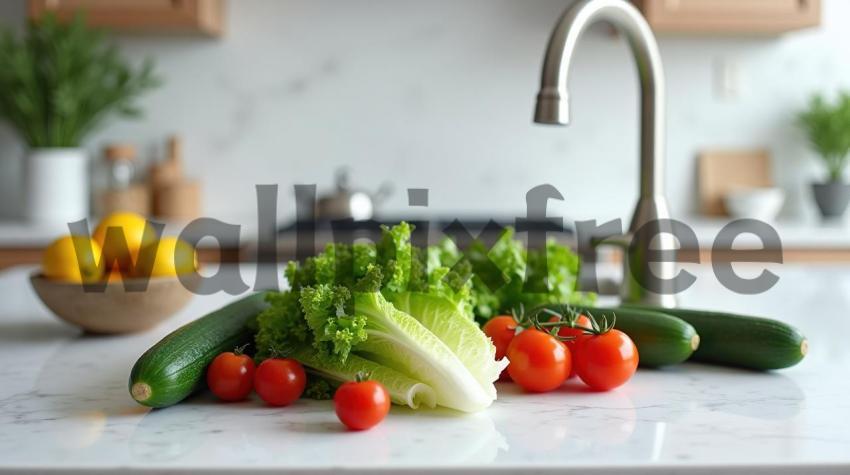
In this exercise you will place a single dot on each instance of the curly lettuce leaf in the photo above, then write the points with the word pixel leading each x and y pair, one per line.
pixel 395 256
pixel 508 277
pixel 281 327
pixel 435 271
pixel 318 388
pixel 335 332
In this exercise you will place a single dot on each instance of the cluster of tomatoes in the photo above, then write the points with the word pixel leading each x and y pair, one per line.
pixel 540 361
pixel 232 376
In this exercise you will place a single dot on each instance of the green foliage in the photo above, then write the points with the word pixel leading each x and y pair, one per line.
pixel 60 81
pixel 318 388
pixel 508 277
pixel 342 316
pixel 335 331
pixel 405 313
pixel 827 125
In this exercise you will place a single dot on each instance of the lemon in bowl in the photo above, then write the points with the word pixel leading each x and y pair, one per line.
pixel 173 257
pixel 123 226
pixel 73 259
pixel 76 286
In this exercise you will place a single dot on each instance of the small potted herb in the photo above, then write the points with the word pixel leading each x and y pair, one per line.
pixel 827 125
pixel 58 83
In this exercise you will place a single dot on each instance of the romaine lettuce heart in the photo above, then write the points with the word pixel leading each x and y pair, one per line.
pixel 399 341
pixel 462 335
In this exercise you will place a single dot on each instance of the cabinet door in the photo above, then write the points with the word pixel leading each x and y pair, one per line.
pixel 730 16
pixel 192 16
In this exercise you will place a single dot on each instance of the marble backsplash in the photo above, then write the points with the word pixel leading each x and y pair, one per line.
pixel 440 95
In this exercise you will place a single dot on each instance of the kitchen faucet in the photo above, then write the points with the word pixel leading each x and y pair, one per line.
pixel 651 215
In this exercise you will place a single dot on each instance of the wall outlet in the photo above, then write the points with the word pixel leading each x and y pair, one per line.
pixel 727 79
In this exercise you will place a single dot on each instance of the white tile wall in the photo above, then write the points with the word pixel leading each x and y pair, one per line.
pixel 439 94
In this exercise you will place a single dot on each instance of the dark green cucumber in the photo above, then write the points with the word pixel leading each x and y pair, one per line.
pixel 661 339
pixel 743 341
pixel 175 367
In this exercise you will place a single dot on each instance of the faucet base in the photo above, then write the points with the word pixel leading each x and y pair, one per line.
pixel 646 280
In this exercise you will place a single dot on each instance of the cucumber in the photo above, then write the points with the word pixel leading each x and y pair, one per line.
pixel 743 341
pixel 175 367
pixel 661 339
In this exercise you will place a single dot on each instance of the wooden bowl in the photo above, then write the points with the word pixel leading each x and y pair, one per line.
pixel 115 310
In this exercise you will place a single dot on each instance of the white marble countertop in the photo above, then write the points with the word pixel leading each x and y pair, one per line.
pixel 64 407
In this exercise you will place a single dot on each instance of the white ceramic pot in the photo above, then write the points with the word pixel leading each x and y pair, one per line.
pixel 57 185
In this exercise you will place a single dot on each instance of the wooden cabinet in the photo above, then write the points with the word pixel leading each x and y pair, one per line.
pixel 185 16
pixel 730 16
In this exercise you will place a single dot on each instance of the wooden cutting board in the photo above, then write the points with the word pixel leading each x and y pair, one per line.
pixel 721 171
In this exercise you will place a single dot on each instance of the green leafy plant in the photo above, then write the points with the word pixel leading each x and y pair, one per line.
pixel 827 125
pixel 59 81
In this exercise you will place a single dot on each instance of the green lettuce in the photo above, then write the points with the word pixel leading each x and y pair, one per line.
pixel 340 318
pixel 458 332
pixel 407 315
pixel 507 277
pixel 284 331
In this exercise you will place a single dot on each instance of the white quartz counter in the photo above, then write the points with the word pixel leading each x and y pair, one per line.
pixel 64 407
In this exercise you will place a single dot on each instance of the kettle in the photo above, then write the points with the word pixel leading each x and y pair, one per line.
pixel 346 202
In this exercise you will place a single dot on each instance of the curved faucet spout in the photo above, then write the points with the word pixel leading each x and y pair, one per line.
pixel 553 99
pixel 650 227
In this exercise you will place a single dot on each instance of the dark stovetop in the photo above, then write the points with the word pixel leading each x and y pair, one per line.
pixel 462 227
pixel 302 238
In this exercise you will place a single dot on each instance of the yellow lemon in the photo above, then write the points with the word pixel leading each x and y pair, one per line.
pixel 68 258
pixel 132 226
pixel 173 257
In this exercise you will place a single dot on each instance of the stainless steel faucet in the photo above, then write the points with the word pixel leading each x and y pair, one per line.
pixel 651 214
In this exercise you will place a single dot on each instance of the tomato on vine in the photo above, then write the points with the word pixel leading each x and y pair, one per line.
pixel 603 357
pixel 570 332
pixel 539 362
pixel 607 360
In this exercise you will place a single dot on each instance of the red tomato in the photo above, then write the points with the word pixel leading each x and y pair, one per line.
pixel 606 361
pixel 576 333
pixel 501 330
pixel 231 376
pixel 280 381
pixel 362 404
pixel 539 362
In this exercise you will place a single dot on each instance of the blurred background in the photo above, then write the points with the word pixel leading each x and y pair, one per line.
pixel 440 95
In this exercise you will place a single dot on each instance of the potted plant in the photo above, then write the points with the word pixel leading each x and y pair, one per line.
pixel 58 83
pixel 827 125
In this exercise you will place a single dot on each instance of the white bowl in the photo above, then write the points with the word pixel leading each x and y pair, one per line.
pixel 762 204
